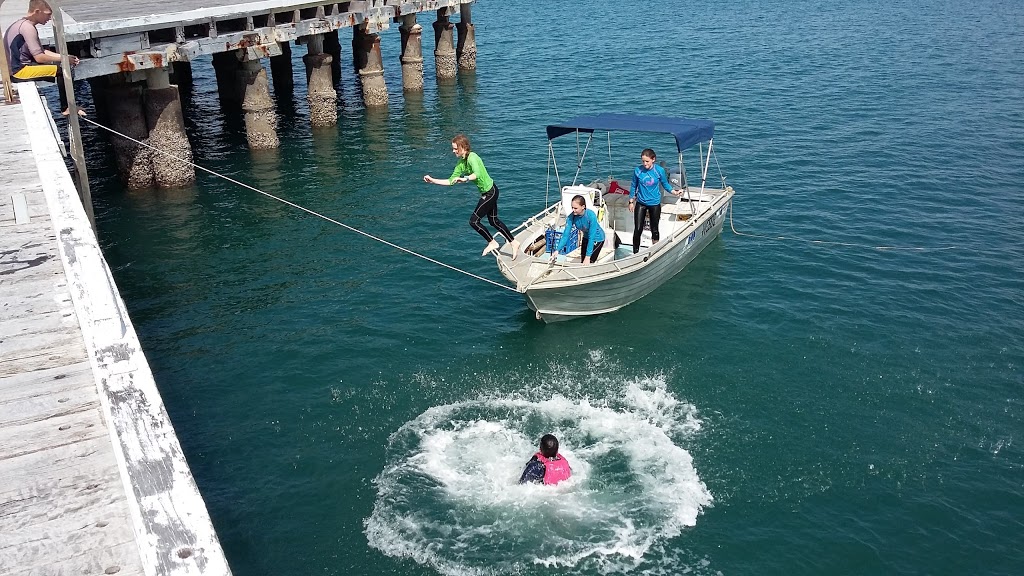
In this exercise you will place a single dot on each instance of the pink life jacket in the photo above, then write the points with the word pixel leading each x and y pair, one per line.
pixel 555 470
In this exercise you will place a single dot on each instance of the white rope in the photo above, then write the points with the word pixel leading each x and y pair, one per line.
pixel 830 243
pixel 304 209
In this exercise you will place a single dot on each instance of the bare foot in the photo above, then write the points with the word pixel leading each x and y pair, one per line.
pixel 491 247
pixel 515 249
pixel 81 113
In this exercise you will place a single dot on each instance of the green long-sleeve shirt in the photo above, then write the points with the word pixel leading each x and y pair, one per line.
pixel 473 165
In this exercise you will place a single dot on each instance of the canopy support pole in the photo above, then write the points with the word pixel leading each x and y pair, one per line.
pixel 580 158
pixel 707 163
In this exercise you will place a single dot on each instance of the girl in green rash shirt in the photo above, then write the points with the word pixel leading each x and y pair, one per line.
pixel 470 168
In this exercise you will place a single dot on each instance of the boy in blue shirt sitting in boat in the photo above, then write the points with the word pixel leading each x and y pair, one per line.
pixel 586 222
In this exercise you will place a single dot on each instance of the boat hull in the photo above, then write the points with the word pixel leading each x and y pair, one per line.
pixel 560 301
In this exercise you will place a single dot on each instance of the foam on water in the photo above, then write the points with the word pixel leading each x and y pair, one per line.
pixel 448 496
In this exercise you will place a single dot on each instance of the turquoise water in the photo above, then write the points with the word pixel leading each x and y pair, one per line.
pixel 779 408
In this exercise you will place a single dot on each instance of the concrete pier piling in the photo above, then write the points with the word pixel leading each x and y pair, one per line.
pixel 260 116
pixel 370 64
pixel 412 54
pixel 149 112
pixel 445 61
pixel 127 116
pixel 322 97
pixel 466 49
pixel 181 75
pixel 167 132
pixel 332 46
pixel 281 70
pixel 225 67
pixel 98 88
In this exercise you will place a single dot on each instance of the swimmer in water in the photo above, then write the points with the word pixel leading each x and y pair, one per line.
pixel 547 466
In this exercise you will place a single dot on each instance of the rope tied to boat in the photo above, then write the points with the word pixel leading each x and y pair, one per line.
pixel 298 207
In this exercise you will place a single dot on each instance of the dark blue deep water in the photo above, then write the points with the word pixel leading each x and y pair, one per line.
pixel 781 407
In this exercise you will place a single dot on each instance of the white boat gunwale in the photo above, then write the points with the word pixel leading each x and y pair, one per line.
pixel 621 265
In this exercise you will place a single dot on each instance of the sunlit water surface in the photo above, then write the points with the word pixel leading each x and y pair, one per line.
pixel 779 408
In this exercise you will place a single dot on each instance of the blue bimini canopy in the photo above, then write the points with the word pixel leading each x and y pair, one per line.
pixel 687 132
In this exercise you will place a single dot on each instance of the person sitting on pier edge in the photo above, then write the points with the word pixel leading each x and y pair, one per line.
pixel 585 221
pixel 547 466
pixel 470 168
pixel 645 196
pixel 28 60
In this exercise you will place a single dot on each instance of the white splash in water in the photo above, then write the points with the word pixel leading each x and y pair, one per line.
pixel 449 496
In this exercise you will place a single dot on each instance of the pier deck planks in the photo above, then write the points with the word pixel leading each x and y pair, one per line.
pixel 63 508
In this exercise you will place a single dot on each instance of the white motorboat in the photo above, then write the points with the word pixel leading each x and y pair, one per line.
pixel 564 289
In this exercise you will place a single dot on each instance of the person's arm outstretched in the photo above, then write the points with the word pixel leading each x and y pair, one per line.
pixel 443 181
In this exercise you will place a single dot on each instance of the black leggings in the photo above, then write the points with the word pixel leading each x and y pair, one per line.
pixel 488 206
pixel 639 211
pixel 593 253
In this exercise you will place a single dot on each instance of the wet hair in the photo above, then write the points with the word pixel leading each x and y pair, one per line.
pixel 40 5
pixel 649 153
pixel 549 446
pixel 582 202
pixel 462 142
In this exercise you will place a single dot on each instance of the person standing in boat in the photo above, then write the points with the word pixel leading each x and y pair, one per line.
pixel 645 196
pixel 585 221
pixel 547 466
pixel 470 168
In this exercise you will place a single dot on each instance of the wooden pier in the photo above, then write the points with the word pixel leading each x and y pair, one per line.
pixel 113 37
pixel 137 54
pixel 92 478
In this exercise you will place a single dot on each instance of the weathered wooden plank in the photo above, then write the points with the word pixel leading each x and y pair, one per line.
pixel 44 319
pixel 40 501
pixel 54 381
pixel 101 559
pixel 47 283
pixel 71 524
pixel 39 323
pixel 39 301
pixel 16 172
pixel 33 351
pixel 57 354
pixel 28 409
pixel 19 163
pixel 63 320
pixel 47 433
pixel 29 235
pixel 26 274
pixel 23 307
pixel 90 457
pixel 28 246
